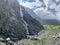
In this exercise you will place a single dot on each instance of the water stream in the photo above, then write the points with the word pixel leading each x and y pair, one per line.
pixel 25 23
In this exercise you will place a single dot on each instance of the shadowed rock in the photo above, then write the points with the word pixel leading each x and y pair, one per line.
pixel 11 24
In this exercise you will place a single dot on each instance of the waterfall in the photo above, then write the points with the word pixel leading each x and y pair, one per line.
pixel 26 26
pixel 21 12
pixel 25 23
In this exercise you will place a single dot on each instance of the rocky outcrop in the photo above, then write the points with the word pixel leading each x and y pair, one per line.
pixel 2 43
pixel 11 24
pixel 34 26
pixel 10 21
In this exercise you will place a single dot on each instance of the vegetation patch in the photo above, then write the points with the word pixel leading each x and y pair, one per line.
pixel 30 42
pixel 2 37
pixel 52 27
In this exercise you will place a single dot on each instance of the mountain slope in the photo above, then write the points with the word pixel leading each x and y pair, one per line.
pixel 31 12
pixel 46 18
pixel 51 22
pixel 12 24
pixel 34 26
pixel 10 21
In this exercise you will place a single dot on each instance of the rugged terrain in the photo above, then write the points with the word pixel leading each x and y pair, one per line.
pixel 16 23
pixel 14 26
pixel 46 37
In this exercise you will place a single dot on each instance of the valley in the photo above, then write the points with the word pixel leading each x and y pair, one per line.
pixel 46 37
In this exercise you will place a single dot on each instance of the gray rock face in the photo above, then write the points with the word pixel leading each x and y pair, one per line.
pixel 34 26
pixel 2 43
pixel 11 24
pixel 10 21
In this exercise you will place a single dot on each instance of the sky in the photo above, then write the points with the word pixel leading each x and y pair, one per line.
pixel 42 6
pixel 33 3
pixel 30 3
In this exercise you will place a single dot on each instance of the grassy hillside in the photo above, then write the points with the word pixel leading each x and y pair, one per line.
pixel 47 37
pixel 52 27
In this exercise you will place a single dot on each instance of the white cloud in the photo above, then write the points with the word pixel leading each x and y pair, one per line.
pixel 52 5
pixel 46 2
pixel 58 8
pixel 58 16
pixel 27 4
pixel 31 5
pixel 57 0
pixel 37 0
pixel 44 14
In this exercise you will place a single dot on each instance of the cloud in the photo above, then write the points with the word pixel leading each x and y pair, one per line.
pixel 46 2
pixel 57 0
pixel 31 5
pixel 58 8
pixel 52 5
pixel 37 0
pixel 44 14
pixel 58 16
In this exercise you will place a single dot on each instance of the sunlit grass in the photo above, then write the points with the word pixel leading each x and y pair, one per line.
pixel 52 27
pixel 31 42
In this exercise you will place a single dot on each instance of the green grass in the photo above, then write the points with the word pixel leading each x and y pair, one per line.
pixel 31 42
pixel 52 27
pixel 46 37
pixel 2 37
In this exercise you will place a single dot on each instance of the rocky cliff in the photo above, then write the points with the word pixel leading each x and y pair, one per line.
pixel 34 26
pixel 10 21
pixel 12 24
